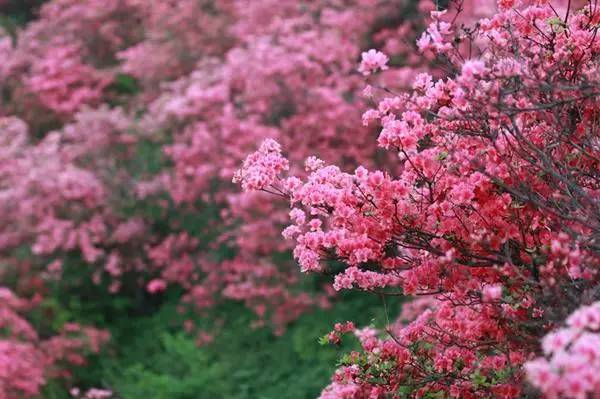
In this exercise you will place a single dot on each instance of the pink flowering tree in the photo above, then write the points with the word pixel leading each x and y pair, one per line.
pixel 490 209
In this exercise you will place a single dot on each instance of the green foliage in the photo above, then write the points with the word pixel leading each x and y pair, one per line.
pixel 125 84
pixel 151 357
pixel 122 88
pixel 15 13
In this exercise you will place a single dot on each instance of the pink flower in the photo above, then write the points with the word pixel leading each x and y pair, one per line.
pixel 507 4
pixel 572 362
pixel 472 69
pixel 434 37
pixel 492 293
pixel 262 168
pixel 156 285
pixel 373 60
pixel 370 115
pixel 313 163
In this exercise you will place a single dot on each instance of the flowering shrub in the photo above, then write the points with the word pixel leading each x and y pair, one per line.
pixel 490 210
pixel 123 123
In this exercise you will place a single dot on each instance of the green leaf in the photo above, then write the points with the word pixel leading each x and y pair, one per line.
pixel 324 340
pixel 125 84
pixel 442 155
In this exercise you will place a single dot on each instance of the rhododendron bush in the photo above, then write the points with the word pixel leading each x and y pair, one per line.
pixel 491 210
pixel 445 152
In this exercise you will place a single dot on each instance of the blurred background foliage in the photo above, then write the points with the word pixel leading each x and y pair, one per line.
pixel 14 13
pixel 149 355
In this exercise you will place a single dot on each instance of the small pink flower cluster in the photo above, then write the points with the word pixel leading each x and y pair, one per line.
pixel 436 35
pixel 570 367
pixel 261 169
pixel 372 61
pixel 339 329
pixel 63 83
pixel 92 393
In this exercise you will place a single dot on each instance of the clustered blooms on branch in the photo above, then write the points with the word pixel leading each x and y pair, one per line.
pixel 492 209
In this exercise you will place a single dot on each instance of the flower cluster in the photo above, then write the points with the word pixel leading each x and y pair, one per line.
pixel 572 357
pixel 261 169
pixel 372 61
pixel 90 85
